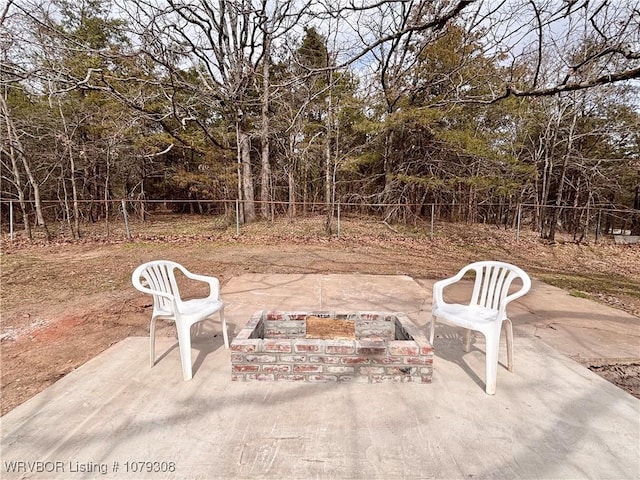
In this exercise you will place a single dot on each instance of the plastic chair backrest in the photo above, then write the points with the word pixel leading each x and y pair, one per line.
pixel 160 278
pixel 492 283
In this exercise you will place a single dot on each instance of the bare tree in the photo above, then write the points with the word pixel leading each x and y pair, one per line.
pixel 513 31
pixel 266 194
pixel 225 44
pixel 572 45
pixel 12 146
pixel 12 149
pixel 207 67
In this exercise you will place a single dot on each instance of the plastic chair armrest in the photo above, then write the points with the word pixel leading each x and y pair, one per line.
pixel 439 286
pixel 514 296
pixel 526 286
pixel 150 291
pixel 214 283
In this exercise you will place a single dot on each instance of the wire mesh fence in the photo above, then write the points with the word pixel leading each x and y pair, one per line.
pixel 115 219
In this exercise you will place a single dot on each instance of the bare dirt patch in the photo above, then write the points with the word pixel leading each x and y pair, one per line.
pixel 625 375
pixel 65 302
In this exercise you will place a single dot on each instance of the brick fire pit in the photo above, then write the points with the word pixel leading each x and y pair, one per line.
pixel 365 347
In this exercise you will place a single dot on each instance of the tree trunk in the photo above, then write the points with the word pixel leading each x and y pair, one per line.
pixel 388 171
pixel 65 203
pixel 328 204
pixel 36 190
pixel 248 205
pixel 72 174
pixel 563 177
pixel 14 149
pixel 291 179
pixel 265 175
pixel 106 190
pixel 18 152
pixel 36 197
pixel 635 219
pixel 550 139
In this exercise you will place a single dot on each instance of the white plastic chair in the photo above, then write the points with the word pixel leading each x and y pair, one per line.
pixel 160 281
pixel 486 311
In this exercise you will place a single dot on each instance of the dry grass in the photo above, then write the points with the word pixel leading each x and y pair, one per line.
pixel 63 302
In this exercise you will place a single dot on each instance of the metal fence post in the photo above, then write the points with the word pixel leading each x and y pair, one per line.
pixel 11 219
pixel 433 212
pixel 237 217
pixel 126 219
pixel 518 222
pixel 338 219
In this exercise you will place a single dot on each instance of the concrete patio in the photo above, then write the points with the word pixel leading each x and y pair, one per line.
pixel 552 418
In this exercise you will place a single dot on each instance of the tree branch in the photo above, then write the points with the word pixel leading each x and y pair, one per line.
pixel 571 87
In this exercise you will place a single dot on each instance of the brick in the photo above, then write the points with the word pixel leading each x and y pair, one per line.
pixel 291 378
pixel 276 368
pixel 378 327
pixel 385 378
pixel 293 358
pixel 237 378
pixel 277 346
pixel 307 369
pixel 322 314
pixel 261 376
pixel 403 348
pixel 418 360
pixel 333 369
pixel 256 317
pixel 327 359
pixel 426 379
pixel 286 324
pixel 244 334
pixel 251 358
pixel 322 378
pixel 365 347
pixel 361 379
pixel 411 331
pixel 371 337
pixel 245 368
pixel 274 333
pixel 371 370
pixel 245 346
pixel 238 358
pixel 426 349
pixel 303 346
pixel 255 324
pixel 386 360
pixel 340 347
pixel 400 370
pixel 355 360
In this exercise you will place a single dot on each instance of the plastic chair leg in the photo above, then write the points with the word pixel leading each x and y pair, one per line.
pixel 468 336
pixel 508 332
pixel 184 343
pixel 433 329
pixel 152 342
pixel 225 334
pixel 492 341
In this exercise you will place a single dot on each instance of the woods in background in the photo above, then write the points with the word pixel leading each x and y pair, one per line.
pixel 401 103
